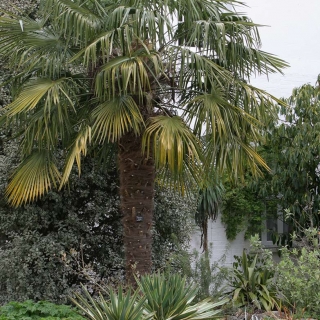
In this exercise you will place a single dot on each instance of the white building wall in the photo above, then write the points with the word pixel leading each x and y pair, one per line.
pixel 222 249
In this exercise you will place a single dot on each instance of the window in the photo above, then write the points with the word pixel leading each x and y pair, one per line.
pixel 273 224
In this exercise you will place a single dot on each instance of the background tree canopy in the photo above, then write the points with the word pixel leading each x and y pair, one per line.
pixel 292 150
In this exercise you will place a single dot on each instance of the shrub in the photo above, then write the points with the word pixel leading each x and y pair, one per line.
pixel 119 306
pixel 158 296
pixel 252 285
pixel 42 310
pixel 75 236
pixel 170 297
pixel 298 276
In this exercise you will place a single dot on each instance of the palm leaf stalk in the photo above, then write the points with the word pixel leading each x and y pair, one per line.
pixel 152 77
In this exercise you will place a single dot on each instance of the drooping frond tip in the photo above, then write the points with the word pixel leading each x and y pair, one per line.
pixel 33 178
pixel 172 142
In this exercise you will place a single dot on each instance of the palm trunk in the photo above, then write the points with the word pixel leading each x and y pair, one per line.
pixel 204 236
pixel 137 175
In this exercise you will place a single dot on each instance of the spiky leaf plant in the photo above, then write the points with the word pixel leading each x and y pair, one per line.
pixel 252 285
pixel 119 306
pixel 170 298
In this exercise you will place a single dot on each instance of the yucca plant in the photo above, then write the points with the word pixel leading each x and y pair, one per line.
pixel 119 306
pixel 169 297
pixel 252 285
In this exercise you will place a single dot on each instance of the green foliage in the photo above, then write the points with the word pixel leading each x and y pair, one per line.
pixel 75 236
pixel 298 274
pixel 173 217
pixel 42 310
pixel 158 296
pixel 242 209
pixel 169 297
pixel 119 306
pixel 292 150
pixel 46 245
pixel 209 277
pixel 252 285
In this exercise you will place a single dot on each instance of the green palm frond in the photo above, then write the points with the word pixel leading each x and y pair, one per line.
pixel 44 90
pixel 101 47
pixel 34 177
pixel 225 36
pixel 18 31
pixel 197 71
pixel 255 61
pixel 114 118
pixel 128 74
pixel 79 147
pixel 172 142
pixel 78 22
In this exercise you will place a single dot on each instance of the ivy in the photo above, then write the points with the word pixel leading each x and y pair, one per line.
pixel 242 210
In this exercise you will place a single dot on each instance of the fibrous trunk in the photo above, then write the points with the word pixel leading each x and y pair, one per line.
pixel 137 175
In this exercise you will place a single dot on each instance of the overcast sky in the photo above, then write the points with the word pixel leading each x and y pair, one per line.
pixel 293 35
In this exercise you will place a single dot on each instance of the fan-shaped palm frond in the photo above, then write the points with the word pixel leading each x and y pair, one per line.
pixel 172 142
pixel 42 90
pixel 128 74
pixel 37 47
pixel 75 20
pixel 114 118
pixel 33 178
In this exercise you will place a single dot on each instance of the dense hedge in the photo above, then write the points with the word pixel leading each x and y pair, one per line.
pixel 50 247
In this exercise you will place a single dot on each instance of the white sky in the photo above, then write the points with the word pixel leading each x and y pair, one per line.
pixel 293 35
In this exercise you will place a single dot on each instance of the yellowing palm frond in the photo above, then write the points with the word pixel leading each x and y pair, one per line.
pixel 79 147
pixel 172 142
pixel 33 178
pixel 49 91
pixel 114 118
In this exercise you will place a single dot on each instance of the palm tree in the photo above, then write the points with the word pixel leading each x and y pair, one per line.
pixel 164 81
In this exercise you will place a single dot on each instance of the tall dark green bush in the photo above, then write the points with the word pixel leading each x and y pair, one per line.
pixel 74 236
